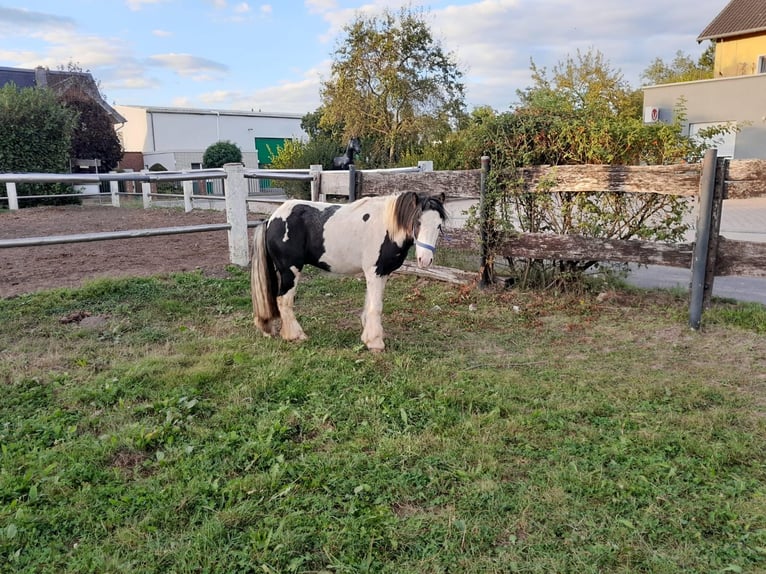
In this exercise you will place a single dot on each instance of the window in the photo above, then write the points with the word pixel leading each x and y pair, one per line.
pixel 762 64
pixel 724 142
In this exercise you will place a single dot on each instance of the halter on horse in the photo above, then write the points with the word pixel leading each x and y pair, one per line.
pixel 343 161
pixel 371 236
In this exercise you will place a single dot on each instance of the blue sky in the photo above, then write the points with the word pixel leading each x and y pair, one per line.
pixel 272 56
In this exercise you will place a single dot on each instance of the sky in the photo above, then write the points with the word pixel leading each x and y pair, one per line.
pixel 273 56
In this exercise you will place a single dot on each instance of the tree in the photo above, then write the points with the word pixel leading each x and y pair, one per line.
pixel 220 153
pixel 583 113
pixel 682 69
pixel 35 136
pixel 392 84
pixel 94 137
pixel 586 83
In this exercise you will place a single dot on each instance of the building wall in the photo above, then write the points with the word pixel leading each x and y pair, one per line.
pixel 133 160
pixel 187 131
pixel 721 100
pixel 738 57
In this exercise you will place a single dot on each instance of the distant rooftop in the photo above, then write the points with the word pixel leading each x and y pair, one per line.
pixel 738 18
pixel 58 81
pixel 179 110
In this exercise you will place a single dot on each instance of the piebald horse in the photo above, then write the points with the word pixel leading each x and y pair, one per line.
pixel 370 236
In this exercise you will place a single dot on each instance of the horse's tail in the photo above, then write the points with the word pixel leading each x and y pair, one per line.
pixel 263 284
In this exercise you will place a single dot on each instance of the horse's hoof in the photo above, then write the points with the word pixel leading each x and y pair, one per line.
pixel 376 347
pixel 296 338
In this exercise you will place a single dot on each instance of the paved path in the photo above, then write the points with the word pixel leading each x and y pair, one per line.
pixel 741 220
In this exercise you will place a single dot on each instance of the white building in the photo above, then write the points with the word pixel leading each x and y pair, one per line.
pixel 735 94
pixel 177 138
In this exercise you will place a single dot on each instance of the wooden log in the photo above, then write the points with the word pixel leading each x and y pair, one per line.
pixel 744 258
pixel 462 184
pixel 579 248
pixel 746 178
pixel 680 179
pixel 438 272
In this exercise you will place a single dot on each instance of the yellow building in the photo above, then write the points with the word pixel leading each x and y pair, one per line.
pixel 739 33
pixel 736 96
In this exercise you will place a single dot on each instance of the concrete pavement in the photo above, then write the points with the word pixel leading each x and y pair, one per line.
pixel 741 220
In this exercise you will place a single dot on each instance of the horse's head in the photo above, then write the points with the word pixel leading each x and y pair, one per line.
pixel 421 216
pixel 355 145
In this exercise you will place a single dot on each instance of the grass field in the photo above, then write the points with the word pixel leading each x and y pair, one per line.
pixel 145 427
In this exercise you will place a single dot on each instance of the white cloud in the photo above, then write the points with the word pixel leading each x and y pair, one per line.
pixel 136 5
pixel 18 21
pixel 182 102
pixel 201 69
pixel 242 8
pixel 162 33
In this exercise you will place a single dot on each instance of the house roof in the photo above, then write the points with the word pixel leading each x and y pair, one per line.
pixel 207 111
pixel 59 82
pixel 739 17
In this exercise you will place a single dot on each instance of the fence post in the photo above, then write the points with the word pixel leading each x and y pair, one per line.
pixel 702 239
pixel 351 182
pixel 236 213
pixel 188 186
pixel 487 270
pixel 114 190
pixel 13 198
pixel 316 172
pixel 719 191
pixel 146 191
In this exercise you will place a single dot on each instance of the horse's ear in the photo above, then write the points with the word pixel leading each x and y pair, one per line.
pixel 411 199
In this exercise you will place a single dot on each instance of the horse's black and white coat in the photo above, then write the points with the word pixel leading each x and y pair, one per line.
pixel 370 236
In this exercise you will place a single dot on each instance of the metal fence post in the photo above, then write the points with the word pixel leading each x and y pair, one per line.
pixel 236 213
pixel 702 239
pixel 13 198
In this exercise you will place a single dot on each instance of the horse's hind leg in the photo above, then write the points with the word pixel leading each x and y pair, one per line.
pixel 372 335
pixel 291 329
pixel 269 327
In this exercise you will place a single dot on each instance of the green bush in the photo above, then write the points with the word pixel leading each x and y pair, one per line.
pixel 296 154
pixel 35 136
pixel 221 153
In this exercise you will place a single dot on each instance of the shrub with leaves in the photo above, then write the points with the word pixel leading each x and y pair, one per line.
pixel 584 114
pixel 221 153
pixel 35 136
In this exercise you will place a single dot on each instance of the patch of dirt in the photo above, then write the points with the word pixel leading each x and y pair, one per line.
pixel 30 269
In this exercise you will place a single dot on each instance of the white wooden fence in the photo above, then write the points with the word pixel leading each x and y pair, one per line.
pixel 236 196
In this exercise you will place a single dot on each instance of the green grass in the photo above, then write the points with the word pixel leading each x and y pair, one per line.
pixel 531 433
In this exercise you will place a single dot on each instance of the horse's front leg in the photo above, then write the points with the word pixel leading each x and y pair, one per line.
pixel 291 329
pixel 372 335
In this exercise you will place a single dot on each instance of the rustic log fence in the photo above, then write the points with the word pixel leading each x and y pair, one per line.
pixel 717 256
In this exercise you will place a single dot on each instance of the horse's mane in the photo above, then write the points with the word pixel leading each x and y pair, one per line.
pixel 404 210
